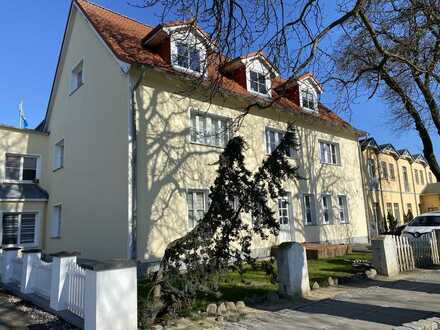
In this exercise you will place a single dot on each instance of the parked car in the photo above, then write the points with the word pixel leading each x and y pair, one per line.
pixel 423 224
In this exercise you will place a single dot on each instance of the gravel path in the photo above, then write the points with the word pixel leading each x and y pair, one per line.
pixel 18 314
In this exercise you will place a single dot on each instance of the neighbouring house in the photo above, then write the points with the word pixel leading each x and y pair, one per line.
pixel 90 179
pixel 393 180
pixel 430 198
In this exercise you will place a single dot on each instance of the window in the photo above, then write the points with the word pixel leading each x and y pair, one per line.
pixel 422 178
pixel 309 209
pixel 209 130
pixel 21 168
pixel 188 57
pixel 389 209
pixel 58 160
pixel 371 168
pixel 55 226
pixel 430 177
pixel 329 153
pixel 273 139
pixel 396 212
pixel 197 206
pixel 376 214
pixel 77 77
pixel 384 170
pixel 416 176
pixel 426 221
pixel 18 228
pixel 409 207
pixel 283 210
pixel 405 179
pixel 343 209
pixel 391 171
pixel 326 201
pixel 308 99
pixel 258 82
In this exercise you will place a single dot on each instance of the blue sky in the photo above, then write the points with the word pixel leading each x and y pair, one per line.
pixel 31 34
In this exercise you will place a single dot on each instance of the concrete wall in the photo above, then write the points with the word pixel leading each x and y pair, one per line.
pixel 169 165
pixel 93 121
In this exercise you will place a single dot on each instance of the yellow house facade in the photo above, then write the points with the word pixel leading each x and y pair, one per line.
pixel 394 181
pixel 123 161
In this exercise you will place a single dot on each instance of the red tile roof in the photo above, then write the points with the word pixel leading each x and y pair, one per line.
pixel 124 36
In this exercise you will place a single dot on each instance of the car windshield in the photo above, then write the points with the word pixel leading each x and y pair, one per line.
pixel 426 221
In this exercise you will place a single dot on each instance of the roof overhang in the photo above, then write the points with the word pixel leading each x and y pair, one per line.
pixel 244 60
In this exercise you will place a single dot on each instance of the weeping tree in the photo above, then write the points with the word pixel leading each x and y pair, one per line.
pixel 223 237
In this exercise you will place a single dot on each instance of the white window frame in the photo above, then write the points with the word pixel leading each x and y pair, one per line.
pixel 384 170
pixel 337 154
pixel 209 128
pixel 58 162
pixel 263 70
pixel 266 84
pixel 326 209
pixel 205 201
pixel 186 36
pixel 391 171
pixel 312 202
pixel 288 198
pixel 343 209
pixel 74 84
pixel 279 134
pixel 36 242
pixel 306 88
pixel 22 156
pixel 57 234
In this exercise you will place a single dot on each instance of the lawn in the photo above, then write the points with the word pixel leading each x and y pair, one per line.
pixel 255 282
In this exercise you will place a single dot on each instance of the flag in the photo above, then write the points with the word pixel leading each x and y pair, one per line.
pixel 23 121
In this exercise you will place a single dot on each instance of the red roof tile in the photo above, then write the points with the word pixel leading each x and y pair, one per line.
pixel 124 36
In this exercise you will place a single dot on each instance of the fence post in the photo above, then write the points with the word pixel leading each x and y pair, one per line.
pixel 9 254
pixel 28 273
pixel 111 296
pixel 293 274
pixel 58 287
pixel 385 259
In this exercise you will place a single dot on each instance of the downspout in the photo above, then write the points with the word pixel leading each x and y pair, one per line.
pixel 133 142
pixel 414 186
pixel 364 187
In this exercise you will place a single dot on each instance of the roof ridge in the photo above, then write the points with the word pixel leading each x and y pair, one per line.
pixel 114 12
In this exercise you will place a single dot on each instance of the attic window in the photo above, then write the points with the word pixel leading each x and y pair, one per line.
pixel 187 57
pixel 258 82
pixel 308 99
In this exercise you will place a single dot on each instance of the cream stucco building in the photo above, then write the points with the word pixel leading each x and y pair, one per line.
pixel 123 160
pixel 394 180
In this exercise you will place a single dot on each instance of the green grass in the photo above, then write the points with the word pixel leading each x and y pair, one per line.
pixel 321 269
pixel 255 282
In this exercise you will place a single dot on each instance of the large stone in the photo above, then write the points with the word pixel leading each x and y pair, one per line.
pixel 211 309
pixel 293 274
pixel 371 273
pixel 330 281
pixel 230 306
pixel 315 286
pixel 240 305
pixel 221 309
pixel 385 259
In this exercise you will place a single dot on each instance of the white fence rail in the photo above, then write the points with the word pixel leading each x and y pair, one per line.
pixel 416 252
pixel 62 283
pixel 76 282
pixel 43 276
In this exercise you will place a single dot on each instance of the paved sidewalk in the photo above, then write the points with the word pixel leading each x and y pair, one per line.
pixel 383 304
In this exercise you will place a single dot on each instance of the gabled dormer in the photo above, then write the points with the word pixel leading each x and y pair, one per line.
pixel 254 72
pixel 404 153
pixel 420 159
pixel 183 45
pixel 304 92
pixel 388 148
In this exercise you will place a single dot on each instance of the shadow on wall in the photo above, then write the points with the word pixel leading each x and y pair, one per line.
pixel 321 179
pixel 168 165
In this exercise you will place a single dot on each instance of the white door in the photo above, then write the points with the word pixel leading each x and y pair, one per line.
pixel 285 218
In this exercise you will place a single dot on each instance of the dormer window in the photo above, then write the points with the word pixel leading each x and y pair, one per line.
pixel 258 82
pixel 188 57
pixel 308 99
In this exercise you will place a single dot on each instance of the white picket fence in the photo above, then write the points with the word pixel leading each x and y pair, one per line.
pixel 76 280
pixel 417 252
pixel 17 266
pixel 43 273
